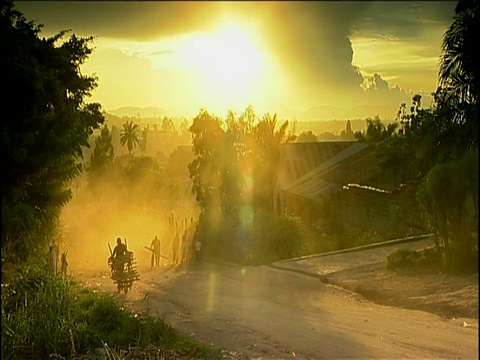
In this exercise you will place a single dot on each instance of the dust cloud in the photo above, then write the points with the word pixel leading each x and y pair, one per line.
pixel 93 220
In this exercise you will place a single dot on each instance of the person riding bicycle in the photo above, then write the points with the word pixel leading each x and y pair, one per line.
pixel 118 257
pixel 119 250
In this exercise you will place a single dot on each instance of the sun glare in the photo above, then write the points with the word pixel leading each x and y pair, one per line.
pixel 231 62
pixel 229 66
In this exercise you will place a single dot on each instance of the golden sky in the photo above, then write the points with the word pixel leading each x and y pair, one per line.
pixel 280 57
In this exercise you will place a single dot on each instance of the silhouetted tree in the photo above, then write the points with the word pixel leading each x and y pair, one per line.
pixel 143 140
pixel 234 174
pixel 103 153
pixel 267 159
pixel 376 130
pixel 45 124
pixel 459 73
pixel 449 197
pixel 307 136
pixel 129 136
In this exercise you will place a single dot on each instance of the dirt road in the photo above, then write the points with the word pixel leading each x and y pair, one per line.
pixel 263 312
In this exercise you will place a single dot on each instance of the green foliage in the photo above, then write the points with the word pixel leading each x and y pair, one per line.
pixel 376 130
pixel 402 257
pixel 307 136
pixel 396 155
pixel 234 170
pixel 449 199
pixel 459 74
pixel 275 238
pixel 44 316
pixel 205 169
pixel 263 238
pixel 45 125
pixel 103 153
pixel 178 161
pixel 129 136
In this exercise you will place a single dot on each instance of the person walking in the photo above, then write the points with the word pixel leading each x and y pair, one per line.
pixel 198 250
pixel 64 265
pixel 175 248
pixel 155 246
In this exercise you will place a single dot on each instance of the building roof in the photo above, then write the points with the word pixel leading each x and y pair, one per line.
pixel 297 159
pixel 355 164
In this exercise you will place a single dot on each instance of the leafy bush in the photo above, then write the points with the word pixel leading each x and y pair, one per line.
pixel 462 257
pixel 44 316
pixel 402 257
pixel 275 237
pixel 449 198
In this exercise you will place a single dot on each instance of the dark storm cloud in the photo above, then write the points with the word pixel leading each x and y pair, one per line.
pixel 404 19
pixel 314 34
pixel 317 33
pixel 313 38
pixel 309 39
pixel 136 20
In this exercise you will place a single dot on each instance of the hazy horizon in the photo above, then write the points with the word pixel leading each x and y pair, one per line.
pixel 184 56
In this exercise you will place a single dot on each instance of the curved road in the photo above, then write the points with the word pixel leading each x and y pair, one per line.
pixel 268 312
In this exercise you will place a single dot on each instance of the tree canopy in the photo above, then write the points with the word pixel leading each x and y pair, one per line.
pixel 46 122
pixel 129 135
pixel 234 172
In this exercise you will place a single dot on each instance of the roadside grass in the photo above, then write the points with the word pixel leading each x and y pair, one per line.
pixel 47 317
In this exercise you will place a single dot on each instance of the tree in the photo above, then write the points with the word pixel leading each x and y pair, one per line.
pixel 45 124
pixel 234 174
pixel 459 73
pixel 307 136
pixel 129 136
pixel 207 138
pixel 267 159
pixel 143 140
pixel 449 197
pixel 103 153
pixel 396 158
pixel 376 131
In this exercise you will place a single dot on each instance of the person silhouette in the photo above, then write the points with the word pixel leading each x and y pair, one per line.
pixel 155 246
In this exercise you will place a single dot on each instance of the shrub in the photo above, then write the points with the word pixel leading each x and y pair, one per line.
pixel 401 258
pixel 275 237
pixel 44 316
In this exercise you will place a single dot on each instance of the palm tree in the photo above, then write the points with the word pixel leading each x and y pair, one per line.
pixel 459 71
pixel 129 136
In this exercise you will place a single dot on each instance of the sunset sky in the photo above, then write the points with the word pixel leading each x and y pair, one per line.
pixel 283 57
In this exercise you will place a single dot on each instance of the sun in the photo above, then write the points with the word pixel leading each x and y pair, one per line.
pixel 232 62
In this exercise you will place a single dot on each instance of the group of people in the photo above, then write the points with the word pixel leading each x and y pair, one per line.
pixel 155 247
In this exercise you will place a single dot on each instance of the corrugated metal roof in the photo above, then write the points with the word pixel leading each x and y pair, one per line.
pixel 355 164
pixel 297 159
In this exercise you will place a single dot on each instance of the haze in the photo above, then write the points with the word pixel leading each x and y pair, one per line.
pixel 279 57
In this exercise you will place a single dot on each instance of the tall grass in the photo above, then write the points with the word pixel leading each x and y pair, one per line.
pixel 44 316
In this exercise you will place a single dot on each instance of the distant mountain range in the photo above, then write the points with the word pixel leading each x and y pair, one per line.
pixel 323 112
pixel 386 111
pixel 144 112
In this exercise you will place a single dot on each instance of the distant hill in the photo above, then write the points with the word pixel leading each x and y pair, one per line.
pixel 326 112
pixel 330 126
pixel 149 111
pixel 322 112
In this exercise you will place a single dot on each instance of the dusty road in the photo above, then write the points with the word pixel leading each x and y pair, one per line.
pixel 263 312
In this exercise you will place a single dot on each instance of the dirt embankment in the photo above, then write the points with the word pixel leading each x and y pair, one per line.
pixel 450 296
